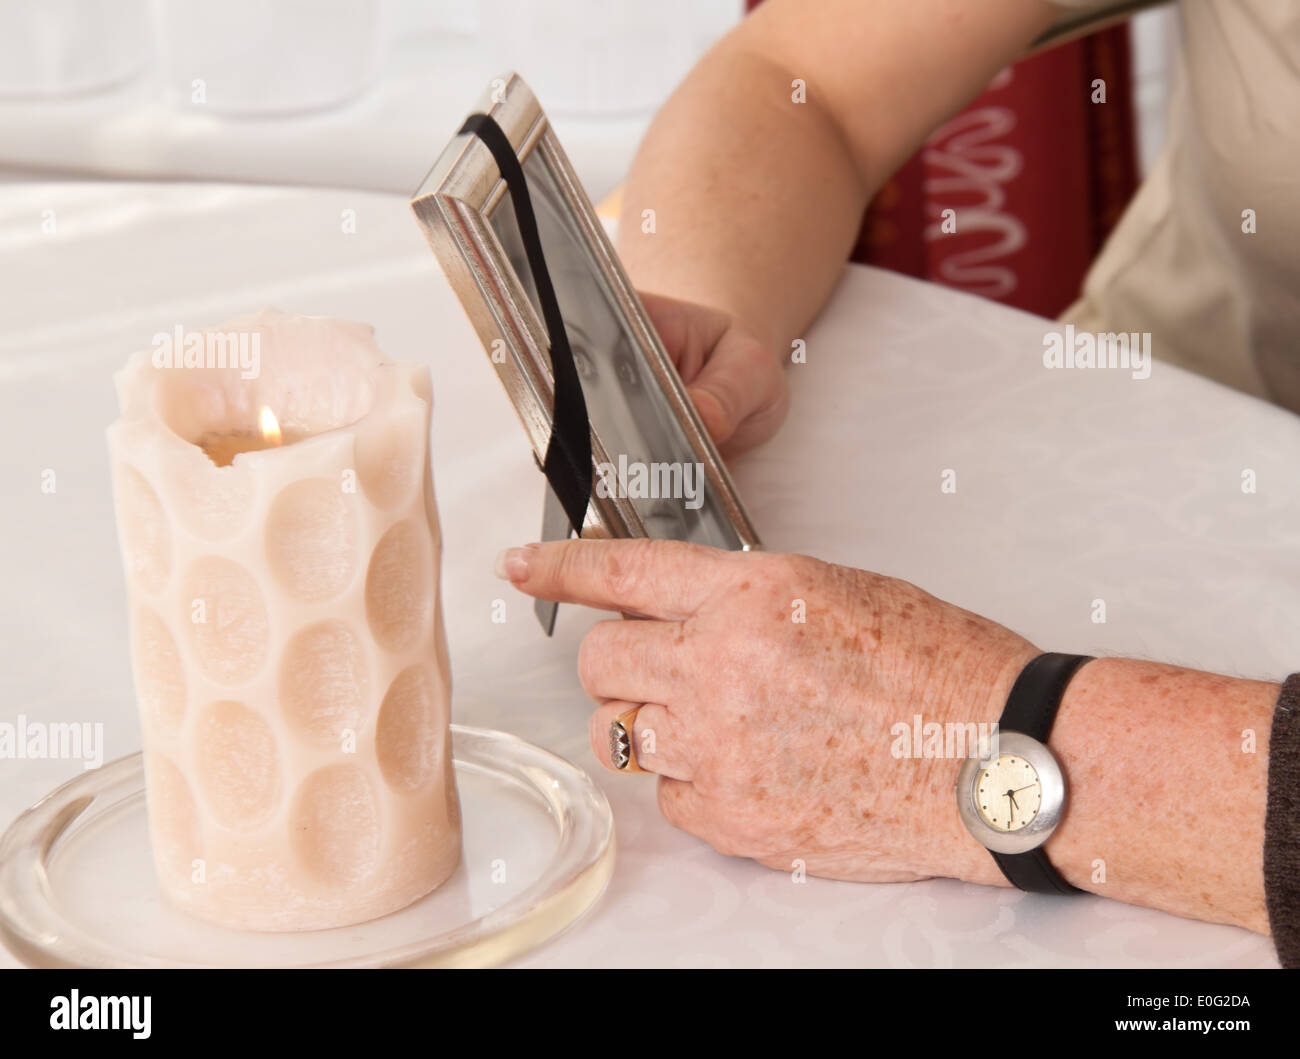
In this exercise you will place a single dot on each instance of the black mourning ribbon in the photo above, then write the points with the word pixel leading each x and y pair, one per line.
pixel 568 452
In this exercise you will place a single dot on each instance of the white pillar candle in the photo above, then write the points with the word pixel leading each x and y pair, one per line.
pixel 286 628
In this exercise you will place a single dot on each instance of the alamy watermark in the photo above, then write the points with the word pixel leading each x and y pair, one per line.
pixel 949 739
pixel 1121 350
pixel 634 480
pixel 72 1011
pixel 57 741
pixel 240 350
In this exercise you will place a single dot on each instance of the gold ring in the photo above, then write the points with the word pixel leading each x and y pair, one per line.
pixel 621 752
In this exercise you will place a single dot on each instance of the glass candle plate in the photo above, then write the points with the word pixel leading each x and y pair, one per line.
pixel 78 889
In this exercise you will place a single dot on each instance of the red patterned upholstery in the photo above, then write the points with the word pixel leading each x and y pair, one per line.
pixel 1035 172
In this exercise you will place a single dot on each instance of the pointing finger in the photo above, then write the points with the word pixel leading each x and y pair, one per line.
pixel 661 579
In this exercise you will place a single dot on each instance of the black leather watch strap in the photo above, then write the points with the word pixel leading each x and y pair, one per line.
pixel 1032 871
pixel 1036 695
pixel 1031 709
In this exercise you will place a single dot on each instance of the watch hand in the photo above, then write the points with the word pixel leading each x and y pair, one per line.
pixel 1024 788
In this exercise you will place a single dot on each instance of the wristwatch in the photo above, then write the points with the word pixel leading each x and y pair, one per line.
pixel 1012 800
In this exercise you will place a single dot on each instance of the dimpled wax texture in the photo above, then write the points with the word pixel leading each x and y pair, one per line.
pixel 287 641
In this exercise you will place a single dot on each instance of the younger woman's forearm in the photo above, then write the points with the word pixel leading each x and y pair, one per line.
pixel 742 199
pixel 757 185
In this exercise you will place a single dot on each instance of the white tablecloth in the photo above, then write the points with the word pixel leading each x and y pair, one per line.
pixel 1072 487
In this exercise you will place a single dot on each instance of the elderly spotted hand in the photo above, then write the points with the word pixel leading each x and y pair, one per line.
pixel 765 691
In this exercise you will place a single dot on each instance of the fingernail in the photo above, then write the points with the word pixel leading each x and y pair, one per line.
pixel 512 564
pixel 710 409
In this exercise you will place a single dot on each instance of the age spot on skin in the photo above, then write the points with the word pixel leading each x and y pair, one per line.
pixel 744 585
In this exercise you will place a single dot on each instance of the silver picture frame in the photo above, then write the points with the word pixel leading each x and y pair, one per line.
pixel 637 406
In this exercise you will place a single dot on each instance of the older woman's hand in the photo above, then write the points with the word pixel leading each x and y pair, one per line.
pixel 771 684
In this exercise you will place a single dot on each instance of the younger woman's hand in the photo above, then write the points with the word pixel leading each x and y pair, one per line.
pixel 735 382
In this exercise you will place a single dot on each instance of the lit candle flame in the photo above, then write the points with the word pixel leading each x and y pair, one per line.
pixel 270 426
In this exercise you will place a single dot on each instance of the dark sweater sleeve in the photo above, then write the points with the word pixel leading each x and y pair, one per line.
pixel 1282 826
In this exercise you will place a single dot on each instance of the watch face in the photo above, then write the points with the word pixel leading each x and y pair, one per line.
pixel 1011 802
pixel 1009 793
